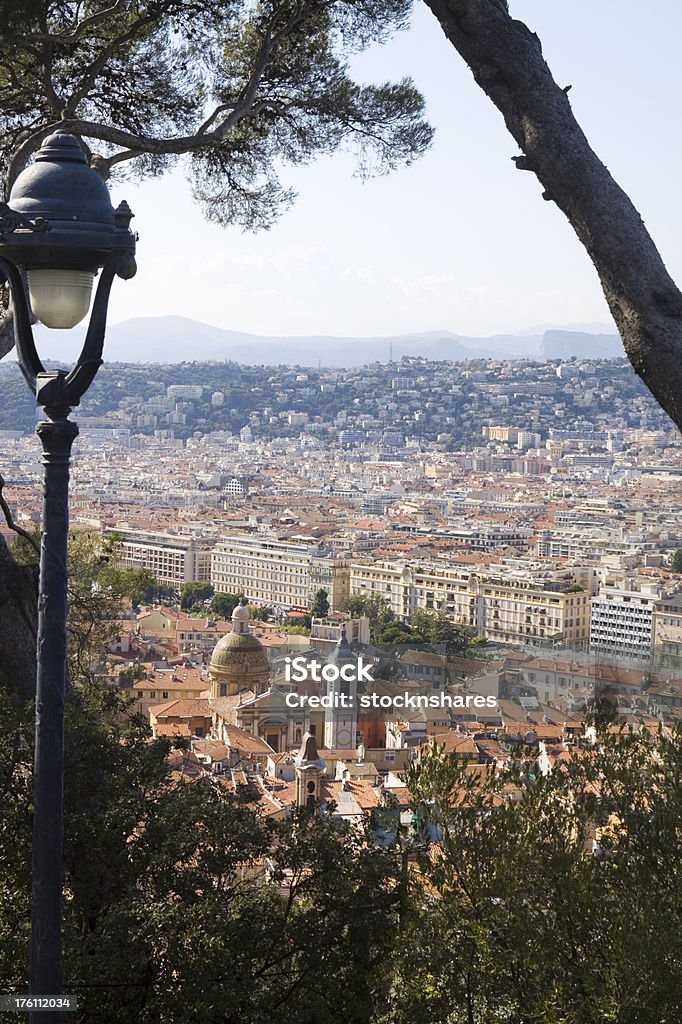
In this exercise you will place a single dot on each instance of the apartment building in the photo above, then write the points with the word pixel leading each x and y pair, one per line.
pixel 506 604
pixel 281 573
pixel 163 684
pixel 667 629
pixel 486 537
pixel 173 558
pixel 193 634
pixel 501 433
pixel 622 619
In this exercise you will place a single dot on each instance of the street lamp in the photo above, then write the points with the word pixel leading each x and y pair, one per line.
pixel 60 229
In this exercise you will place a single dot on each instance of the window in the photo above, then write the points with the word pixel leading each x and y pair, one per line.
pixel 164 695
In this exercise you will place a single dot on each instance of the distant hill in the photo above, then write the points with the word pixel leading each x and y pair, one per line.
pixel 175 339
pixel 565 344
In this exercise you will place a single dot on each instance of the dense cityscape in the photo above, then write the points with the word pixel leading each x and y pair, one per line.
pixel 535 504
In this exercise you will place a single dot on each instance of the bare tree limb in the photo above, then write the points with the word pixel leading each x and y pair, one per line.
pixel 6 334
pixel 213 117
pixel 7 512
pixel 134 145
pixel 506 60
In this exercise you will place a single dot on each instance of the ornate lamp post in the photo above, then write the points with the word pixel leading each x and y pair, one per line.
pixel 61 229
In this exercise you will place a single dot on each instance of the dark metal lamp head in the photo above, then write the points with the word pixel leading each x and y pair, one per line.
pixel 60 226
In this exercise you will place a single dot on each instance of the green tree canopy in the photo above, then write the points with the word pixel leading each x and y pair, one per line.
pixel 320 607
pixel 262 612
pixel 437 627
pixel 223 605
pixel 427 626
pixel 99 589
pixel 519 919
pixel 195 593
pixel 134 583
pixel 160 593
pixel 181 901
pixel 375 607
pixel 236 89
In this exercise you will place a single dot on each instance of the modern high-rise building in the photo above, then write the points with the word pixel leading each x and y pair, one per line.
pixel 173 558
pixel 622 620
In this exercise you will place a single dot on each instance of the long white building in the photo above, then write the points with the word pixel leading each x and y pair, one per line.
pixel 281 573
pixel 502 603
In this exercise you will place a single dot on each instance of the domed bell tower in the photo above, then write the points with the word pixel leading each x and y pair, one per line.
pixel 310 768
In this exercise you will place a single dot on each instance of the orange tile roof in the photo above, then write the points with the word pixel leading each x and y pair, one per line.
pixel 173 730
pixel 196 708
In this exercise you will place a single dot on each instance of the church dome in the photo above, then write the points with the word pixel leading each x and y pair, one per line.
pixel 239 660
pixel 235 649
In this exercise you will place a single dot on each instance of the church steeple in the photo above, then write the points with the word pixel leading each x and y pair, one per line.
pixel 310 768
pixel 341 718
pixel 342 653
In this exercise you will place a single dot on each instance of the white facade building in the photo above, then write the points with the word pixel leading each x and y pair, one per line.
pixel 281 573
pixel 174 559
pixel 506 604
pixel 622 620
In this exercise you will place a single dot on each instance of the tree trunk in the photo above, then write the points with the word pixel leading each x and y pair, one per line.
pixel 506 60
pixel 18 624
pixel 6 334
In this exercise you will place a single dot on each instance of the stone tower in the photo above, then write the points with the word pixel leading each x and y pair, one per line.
pixel 341 724
pixel 310 768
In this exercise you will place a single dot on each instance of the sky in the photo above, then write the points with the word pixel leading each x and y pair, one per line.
pixel 459 241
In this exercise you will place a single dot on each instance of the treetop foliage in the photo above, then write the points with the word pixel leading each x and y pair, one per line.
pixel 427 625
pixel 236 86
pixel 676 560
pixel 548 897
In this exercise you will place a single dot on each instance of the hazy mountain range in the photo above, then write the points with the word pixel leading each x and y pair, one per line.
pixel 175 339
